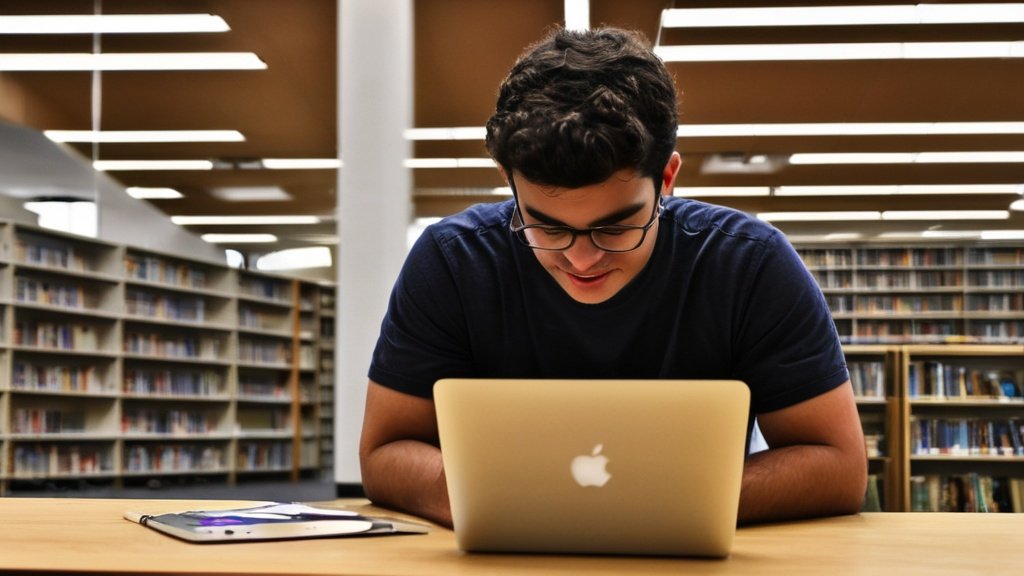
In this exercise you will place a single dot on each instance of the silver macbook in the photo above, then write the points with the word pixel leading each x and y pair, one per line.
pixel 593 466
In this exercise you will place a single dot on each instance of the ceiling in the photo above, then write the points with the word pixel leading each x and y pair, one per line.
pixel 463 48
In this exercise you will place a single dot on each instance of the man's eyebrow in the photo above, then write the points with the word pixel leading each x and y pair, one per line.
pixel 613 218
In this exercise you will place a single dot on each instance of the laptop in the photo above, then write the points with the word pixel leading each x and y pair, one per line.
pixel 645 467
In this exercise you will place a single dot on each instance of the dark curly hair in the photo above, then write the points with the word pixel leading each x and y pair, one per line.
pixel 579 106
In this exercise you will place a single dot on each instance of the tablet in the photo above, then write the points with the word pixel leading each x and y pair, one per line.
pixel 274 521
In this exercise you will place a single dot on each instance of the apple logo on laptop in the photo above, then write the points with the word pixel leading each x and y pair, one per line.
pixel 589 470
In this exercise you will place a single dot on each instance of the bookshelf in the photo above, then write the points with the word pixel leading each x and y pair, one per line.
pixel 922 294
pixel 119 364
pixel 962 424
pixel 874 375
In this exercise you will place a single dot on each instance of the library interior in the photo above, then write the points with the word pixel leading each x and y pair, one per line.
pixel 201 218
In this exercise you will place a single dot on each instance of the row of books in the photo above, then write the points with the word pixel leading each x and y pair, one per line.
pixel 165 307
pixel 52 293
pixel 1002 256
pixel 997 330
pixel 263 388
pixel 178 346
pixel 56 378
pixel 268 289
pixel 966 493
pixel 996 278
pixel 47 421
pixel 995 302
pixel 179 422
pixel 56 335
pixel 868 379
pixel 907 257
pixel 908 304
pixel 174 382
pixel 906 328
pixel 152 269
pixel 874 496
pixel 173 457
pixel 932 378
pixel 890 280
pixel 264 352
pixel 966 436
pixel 263 320
pixel 49 254
pixel 256 456
pixel 60 459
pixel 264 419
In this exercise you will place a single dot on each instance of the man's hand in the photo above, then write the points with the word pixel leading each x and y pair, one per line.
pixel 816 464
pixel 399 455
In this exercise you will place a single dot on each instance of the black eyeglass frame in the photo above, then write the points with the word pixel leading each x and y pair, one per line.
pixel 520 234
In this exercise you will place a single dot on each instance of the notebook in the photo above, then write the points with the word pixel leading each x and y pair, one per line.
pixel 646 467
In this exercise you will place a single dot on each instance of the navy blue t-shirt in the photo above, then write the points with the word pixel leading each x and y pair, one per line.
pixel 724 295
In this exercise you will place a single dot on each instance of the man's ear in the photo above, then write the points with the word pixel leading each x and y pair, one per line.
pixel 668 175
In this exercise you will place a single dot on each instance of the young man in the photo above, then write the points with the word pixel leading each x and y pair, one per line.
pixel 592 270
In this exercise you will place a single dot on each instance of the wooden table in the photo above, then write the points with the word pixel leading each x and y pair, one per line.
pixel 88 535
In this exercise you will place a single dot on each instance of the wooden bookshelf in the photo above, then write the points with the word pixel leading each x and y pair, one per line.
pixel 122 364
pixel 962 426
pixel 874 373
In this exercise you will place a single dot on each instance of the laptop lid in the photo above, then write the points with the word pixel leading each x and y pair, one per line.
pixel 593 466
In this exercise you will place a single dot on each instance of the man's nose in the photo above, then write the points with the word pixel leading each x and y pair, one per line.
pixel 583 254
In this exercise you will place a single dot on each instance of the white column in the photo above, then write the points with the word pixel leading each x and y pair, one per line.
pixel 374 196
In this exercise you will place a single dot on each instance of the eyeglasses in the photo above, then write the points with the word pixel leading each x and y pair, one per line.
pixel 612 238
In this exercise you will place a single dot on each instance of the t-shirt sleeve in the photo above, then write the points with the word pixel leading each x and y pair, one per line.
pixel 788 345
pixel 423 335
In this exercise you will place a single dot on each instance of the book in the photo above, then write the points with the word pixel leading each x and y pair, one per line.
pixel 271 521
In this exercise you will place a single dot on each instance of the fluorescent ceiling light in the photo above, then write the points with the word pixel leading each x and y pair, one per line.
pixel 886 215
pixel 1002 235
pixel 908 157
pixel 143 136
pixel 1017 205
pixel 774 129
pixel 152 193
pixel 250 194
pixel 898 190
pixel 239 238
pixel 301 163
pixel 820 216
pixel 854 158
pixel 241 220
pixel 130 61
pixel 577 14
pixel 841 51
pixel 843 15
pixel 453 133
pixel 112 24
pixel 830 237
pixel 848 129
pixel 116 165
pixel 969 157
pixel 449 163
pixel 721 191
pixel 945 215
pixel 501 191
pixel 296 259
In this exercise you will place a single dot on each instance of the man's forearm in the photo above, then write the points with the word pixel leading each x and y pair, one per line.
pixel 801 482
pixel 408 475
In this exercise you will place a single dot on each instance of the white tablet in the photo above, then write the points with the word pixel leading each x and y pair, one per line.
pixel 275 521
